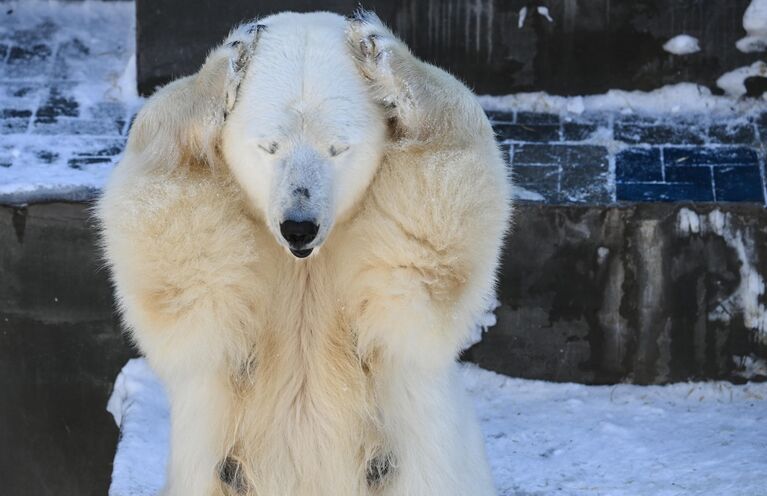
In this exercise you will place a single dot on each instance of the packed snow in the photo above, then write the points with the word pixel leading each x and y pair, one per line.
pixel 542 438
pixel 733 82
pixel 755 24
pixel 681 98
pixel 682 44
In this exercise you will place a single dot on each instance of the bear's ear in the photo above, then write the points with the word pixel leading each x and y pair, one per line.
pixel 240 46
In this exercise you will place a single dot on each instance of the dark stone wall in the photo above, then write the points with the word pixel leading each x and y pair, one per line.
pixel 591 45
pixel 643 293
pixel 61 348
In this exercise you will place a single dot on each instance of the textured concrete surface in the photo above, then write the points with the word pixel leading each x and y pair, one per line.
pixel 587 47
pixel 60 349
pixel 643 293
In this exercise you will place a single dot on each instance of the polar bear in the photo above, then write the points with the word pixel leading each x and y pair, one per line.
pixel 300 237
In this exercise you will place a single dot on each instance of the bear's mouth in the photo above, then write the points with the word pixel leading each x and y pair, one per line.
pixel 301 253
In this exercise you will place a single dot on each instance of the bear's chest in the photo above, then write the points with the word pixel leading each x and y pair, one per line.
pixel 307 399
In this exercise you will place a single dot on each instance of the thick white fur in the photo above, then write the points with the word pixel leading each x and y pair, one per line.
pixel 305 373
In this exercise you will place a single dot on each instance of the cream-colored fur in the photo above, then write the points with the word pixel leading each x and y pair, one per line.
pixel 312 376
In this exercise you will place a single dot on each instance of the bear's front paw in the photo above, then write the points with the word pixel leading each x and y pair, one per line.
pixel 373 46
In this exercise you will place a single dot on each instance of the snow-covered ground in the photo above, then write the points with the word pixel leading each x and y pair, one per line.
pixel 542 438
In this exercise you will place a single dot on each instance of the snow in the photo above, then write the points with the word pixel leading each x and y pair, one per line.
pixel 140 408
pixel 682 44
pixel 755 24
pixel 92 65
pixel 733 82
pixel 544 12
pixel 541 10
pixel 522 17
pixel 542 438
pixel 682 98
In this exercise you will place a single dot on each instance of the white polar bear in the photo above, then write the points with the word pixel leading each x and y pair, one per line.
pixel 301 236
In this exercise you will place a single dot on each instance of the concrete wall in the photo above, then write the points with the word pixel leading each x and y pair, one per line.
pixel 61 348
pixel 590 46
pixel 646 293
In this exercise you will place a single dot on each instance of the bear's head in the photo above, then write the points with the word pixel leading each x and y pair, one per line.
pixel 302 136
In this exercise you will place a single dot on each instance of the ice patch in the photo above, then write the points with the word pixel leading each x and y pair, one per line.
pixel 682 44
pixel 755 24
pixel 733 82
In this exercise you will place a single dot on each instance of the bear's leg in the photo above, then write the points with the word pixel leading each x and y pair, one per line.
pixel 438 211
pixel 435 444
pixel 200 411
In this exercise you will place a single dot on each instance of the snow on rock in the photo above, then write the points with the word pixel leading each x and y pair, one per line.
pixel 544 12
pixel 522 17
pixel 733 82
pixel 688 222
pixel 541 10
pixel 682 44
pixel 755 24
pixel 682 98
pixel 542 438
pixel 746 300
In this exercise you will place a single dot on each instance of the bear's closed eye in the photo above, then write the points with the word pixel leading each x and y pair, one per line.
pixel 336 150
pixel 271 148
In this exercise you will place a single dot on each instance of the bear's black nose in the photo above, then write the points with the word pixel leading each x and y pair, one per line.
pixel 298 234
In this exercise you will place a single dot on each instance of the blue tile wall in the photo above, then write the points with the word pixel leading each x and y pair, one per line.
pixel 609 158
